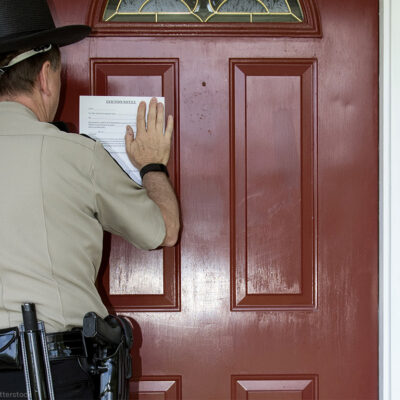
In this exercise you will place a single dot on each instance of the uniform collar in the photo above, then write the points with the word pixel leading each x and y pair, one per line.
pixel 13 107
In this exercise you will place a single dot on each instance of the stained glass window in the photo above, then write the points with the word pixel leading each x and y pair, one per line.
pixel 203 11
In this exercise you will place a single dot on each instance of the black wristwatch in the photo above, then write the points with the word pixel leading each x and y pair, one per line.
pixel 155 168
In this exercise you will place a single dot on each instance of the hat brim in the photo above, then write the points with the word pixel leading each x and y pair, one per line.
pixel 61 36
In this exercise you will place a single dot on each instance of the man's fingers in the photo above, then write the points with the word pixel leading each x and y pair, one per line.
pixel 129 130
pixel 160 118
pixel 141 118
pixel 169 128
pixel 151 117
pixel 128 135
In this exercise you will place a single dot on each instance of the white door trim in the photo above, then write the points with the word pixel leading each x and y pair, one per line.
pixel 389 342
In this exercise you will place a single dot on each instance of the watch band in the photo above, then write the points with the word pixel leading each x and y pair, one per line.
pixel 153 168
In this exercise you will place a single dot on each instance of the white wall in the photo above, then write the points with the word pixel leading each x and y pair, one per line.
pixel 390 202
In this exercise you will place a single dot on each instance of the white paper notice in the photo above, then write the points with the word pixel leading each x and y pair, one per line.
pixel 104 118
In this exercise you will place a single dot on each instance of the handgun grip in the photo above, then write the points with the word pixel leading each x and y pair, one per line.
pixel 94 327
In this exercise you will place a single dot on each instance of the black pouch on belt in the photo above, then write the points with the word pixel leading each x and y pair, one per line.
pixel 10 349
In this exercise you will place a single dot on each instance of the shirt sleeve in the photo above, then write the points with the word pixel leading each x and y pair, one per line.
pixel 123 207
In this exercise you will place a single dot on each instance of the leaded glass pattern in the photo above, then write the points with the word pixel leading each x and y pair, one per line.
pixel 203 11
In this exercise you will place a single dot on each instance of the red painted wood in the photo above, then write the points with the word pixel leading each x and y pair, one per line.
pixel 154 388
pixel 134 279
pixel 203 341
pixel 275 387
pixel 273 195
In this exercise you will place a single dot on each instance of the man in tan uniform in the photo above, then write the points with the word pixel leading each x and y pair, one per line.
pixel 60 191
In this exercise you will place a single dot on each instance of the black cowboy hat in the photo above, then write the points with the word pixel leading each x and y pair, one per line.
pixel 28 24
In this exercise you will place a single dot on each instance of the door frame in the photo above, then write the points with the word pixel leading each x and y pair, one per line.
pixel 389 287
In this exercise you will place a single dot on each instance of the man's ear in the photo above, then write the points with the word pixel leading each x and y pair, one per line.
pixel 43 78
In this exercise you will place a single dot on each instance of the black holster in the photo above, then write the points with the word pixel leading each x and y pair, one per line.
pixel 110 341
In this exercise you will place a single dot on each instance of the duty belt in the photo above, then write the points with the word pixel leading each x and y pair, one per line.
pixel 61 345
pixel 103 346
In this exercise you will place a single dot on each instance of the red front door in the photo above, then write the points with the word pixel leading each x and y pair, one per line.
pixel 272 291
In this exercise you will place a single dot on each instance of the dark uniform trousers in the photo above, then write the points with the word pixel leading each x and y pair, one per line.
pixel 69 379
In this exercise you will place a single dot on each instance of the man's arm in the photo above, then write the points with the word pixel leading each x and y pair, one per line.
pixel 153 146
pixel 161 192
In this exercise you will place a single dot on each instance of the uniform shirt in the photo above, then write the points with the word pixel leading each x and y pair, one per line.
pixel 58 192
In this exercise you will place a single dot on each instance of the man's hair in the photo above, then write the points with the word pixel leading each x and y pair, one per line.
pixel 21 77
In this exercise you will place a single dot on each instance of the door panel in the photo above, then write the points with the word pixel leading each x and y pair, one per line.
pixel 274 388
pixel 134 279
pixel 272 293
pixel 273 154
pixel 150 388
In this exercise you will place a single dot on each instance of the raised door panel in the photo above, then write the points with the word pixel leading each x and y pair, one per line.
pixel 270 387
pixel 273 184
pixel 137 280
pixel 156 388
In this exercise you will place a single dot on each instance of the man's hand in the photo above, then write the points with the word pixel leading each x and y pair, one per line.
pixel 150 146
